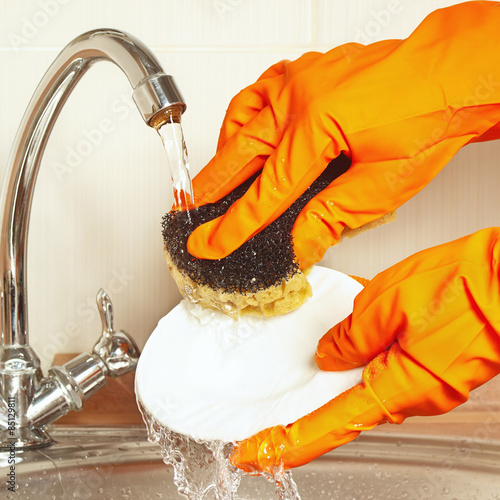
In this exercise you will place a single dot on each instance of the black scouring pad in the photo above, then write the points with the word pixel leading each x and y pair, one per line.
pixel 265 260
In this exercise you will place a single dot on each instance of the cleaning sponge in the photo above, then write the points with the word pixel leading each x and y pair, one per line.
pixel 262 276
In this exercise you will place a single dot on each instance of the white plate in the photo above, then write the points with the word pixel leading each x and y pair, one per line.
pixel 211 377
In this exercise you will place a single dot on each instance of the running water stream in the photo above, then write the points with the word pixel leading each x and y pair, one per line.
pixel 172 138
pixel 200 468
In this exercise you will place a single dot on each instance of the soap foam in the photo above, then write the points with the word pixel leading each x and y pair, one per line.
pixel 210 377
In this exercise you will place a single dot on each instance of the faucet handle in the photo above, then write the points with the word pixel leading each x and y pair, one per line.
pixel 116 349
pixel 68 386
pixel 105 307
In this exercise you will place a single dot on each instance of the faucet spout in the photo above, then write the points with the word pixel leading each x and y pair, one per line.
pixel 157 99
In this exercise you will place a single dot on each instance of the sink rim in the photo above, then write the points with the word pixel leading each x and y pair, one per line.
pixel 109 461
pixel 129 444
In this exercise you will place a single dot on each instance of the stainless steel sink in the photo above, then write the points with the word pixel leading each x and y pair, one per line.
pixel 119 463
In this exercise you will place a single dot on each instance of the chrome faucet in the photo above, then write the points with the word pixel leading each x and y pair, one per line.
pixel 28 401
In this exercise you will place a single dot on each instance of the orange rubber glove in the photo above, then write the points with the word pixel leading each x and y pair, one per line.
pixel 429 329
pixel 400 109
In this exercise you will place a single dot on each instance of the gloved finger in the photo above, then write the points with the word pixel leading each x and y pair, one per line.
pixel 427 301
pixel 382 310
pixel 297 161
pixel 252 99
pixel 243 155
pixel 276 69
pixel 366 192
pixel 245 105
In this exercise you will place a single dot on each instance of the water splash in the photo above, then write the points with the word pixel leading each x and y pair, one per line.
pixel 172 137
pixel 202 468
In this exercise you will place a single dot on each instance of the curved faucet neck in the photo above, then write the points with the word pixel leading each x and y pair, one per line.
pixel 154 92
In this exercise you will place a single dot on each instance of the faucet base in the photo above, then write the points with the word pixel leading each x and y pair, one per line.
pixel 25 438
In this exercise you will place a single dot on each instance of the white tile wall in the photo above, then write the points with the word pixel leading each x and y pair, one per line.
pixel 99 225
pixel 203 24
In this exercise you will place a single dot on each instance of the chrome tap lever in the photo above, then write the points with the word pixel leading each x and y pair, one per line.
pixel 105 307
pixel 68 386
pixel 117 350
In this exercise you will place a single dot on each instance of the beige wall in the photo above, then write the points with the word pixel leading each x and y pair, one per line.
pixel 98 224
